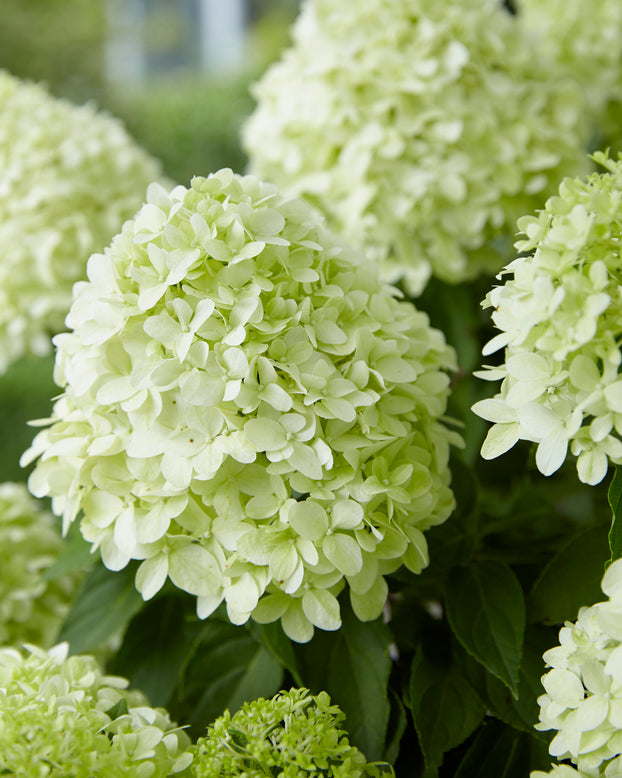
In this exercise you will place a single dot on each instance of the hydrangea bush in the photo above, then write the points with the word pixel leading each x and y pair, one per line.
pixel 560 316
pixel 584 41
pixel 290 735
pixel 31 610
pixel 583 700
pixel 69 177
pixel 247 410
pixel 419 136
pixel 60 715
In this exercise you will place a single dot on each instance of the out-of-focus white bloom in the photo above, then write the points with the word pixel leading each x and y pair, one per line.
pixel 560 316
pixel 247 411
pixel 583 699
pixel 69 178
pixel 31 610
pixel 60 716
pixel 421 129
pixel 584 40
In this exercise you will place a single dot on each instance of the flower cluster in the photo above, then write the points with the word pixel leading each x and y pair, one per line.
pixel 562 771
pixel 560 316
pixel 69 177
pixel 583 700
pixel 31 610
pixel 584 40
pixel 247 410
pixel 422 130
pixel 292 734
pixel 61 716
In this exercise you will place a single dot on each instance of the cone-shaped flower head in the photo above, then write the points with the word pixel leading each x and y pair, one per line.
pixel 583 699
pixel 584 41
pixel 69 178
pixel 560 316
pixel 421 129
pixel 290 735
pixel 247 410
pixel 30 609
pixel 60 716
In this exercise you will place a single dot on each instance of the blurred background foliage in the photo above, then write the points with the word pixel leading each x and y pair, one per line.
pixel 186 115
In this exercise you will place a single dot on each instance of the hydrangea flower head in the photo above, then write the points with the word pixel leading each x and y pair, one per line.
pixel 30 609
pixel 60 716
pixel 422 130
pixel 583 700
pixel 290 735
pixel 560 316
pixel 247 410
pixel 69 177
pixel 584 40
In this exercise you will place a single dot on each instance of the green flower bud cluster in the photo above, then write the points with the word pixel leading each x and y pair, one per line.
pixel 584 41
pixel 59 716
pixel 247 410
pixel 31 610
pixel 583 700
pixel 422 130
pixel 291 735
pixel 560 316
pixel 69 178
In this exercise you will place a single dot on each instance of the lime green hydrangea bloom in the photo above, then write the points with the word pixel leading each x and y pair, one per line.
pixel 560 316
pixel 60 716
pixel 291 735
pixel 584 40
pixel 31 610
pixel 247 411
pixel 583 700
pixel 69 178
pixel 421 138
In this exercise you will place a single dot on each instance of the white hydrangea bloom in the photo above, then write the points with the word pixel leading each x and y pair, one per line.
pixel 421 129
pixel 583 700
pixel 560 315
pixel 69 178
pixel 60 716
pixel 561 771
pixel 584 40
pixel 31 610
pixel 247 411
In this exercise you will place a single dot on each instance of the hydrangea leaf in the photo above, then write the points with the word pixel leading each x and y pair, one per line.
pixel 486 612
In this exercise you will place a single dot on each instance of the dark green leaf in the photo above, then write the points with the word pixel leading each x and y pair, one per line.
pixel 559 592
pixel 496 752
pixel 445 707
pixel 227 668
pixel 486 612
pixel 103 606
pixel 397 726
pixel 277 642
pixel 154 649
pixel 353 666
pixel 615 502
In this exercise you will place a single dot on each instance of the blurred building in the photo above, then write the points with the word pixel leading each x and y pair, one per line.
pixel 146 38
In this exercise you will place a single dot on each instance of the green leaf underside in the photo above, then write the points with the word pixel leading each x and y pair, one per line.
pixel 102 608
pixel 486 612
pixel 445 708
pixel 615 502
